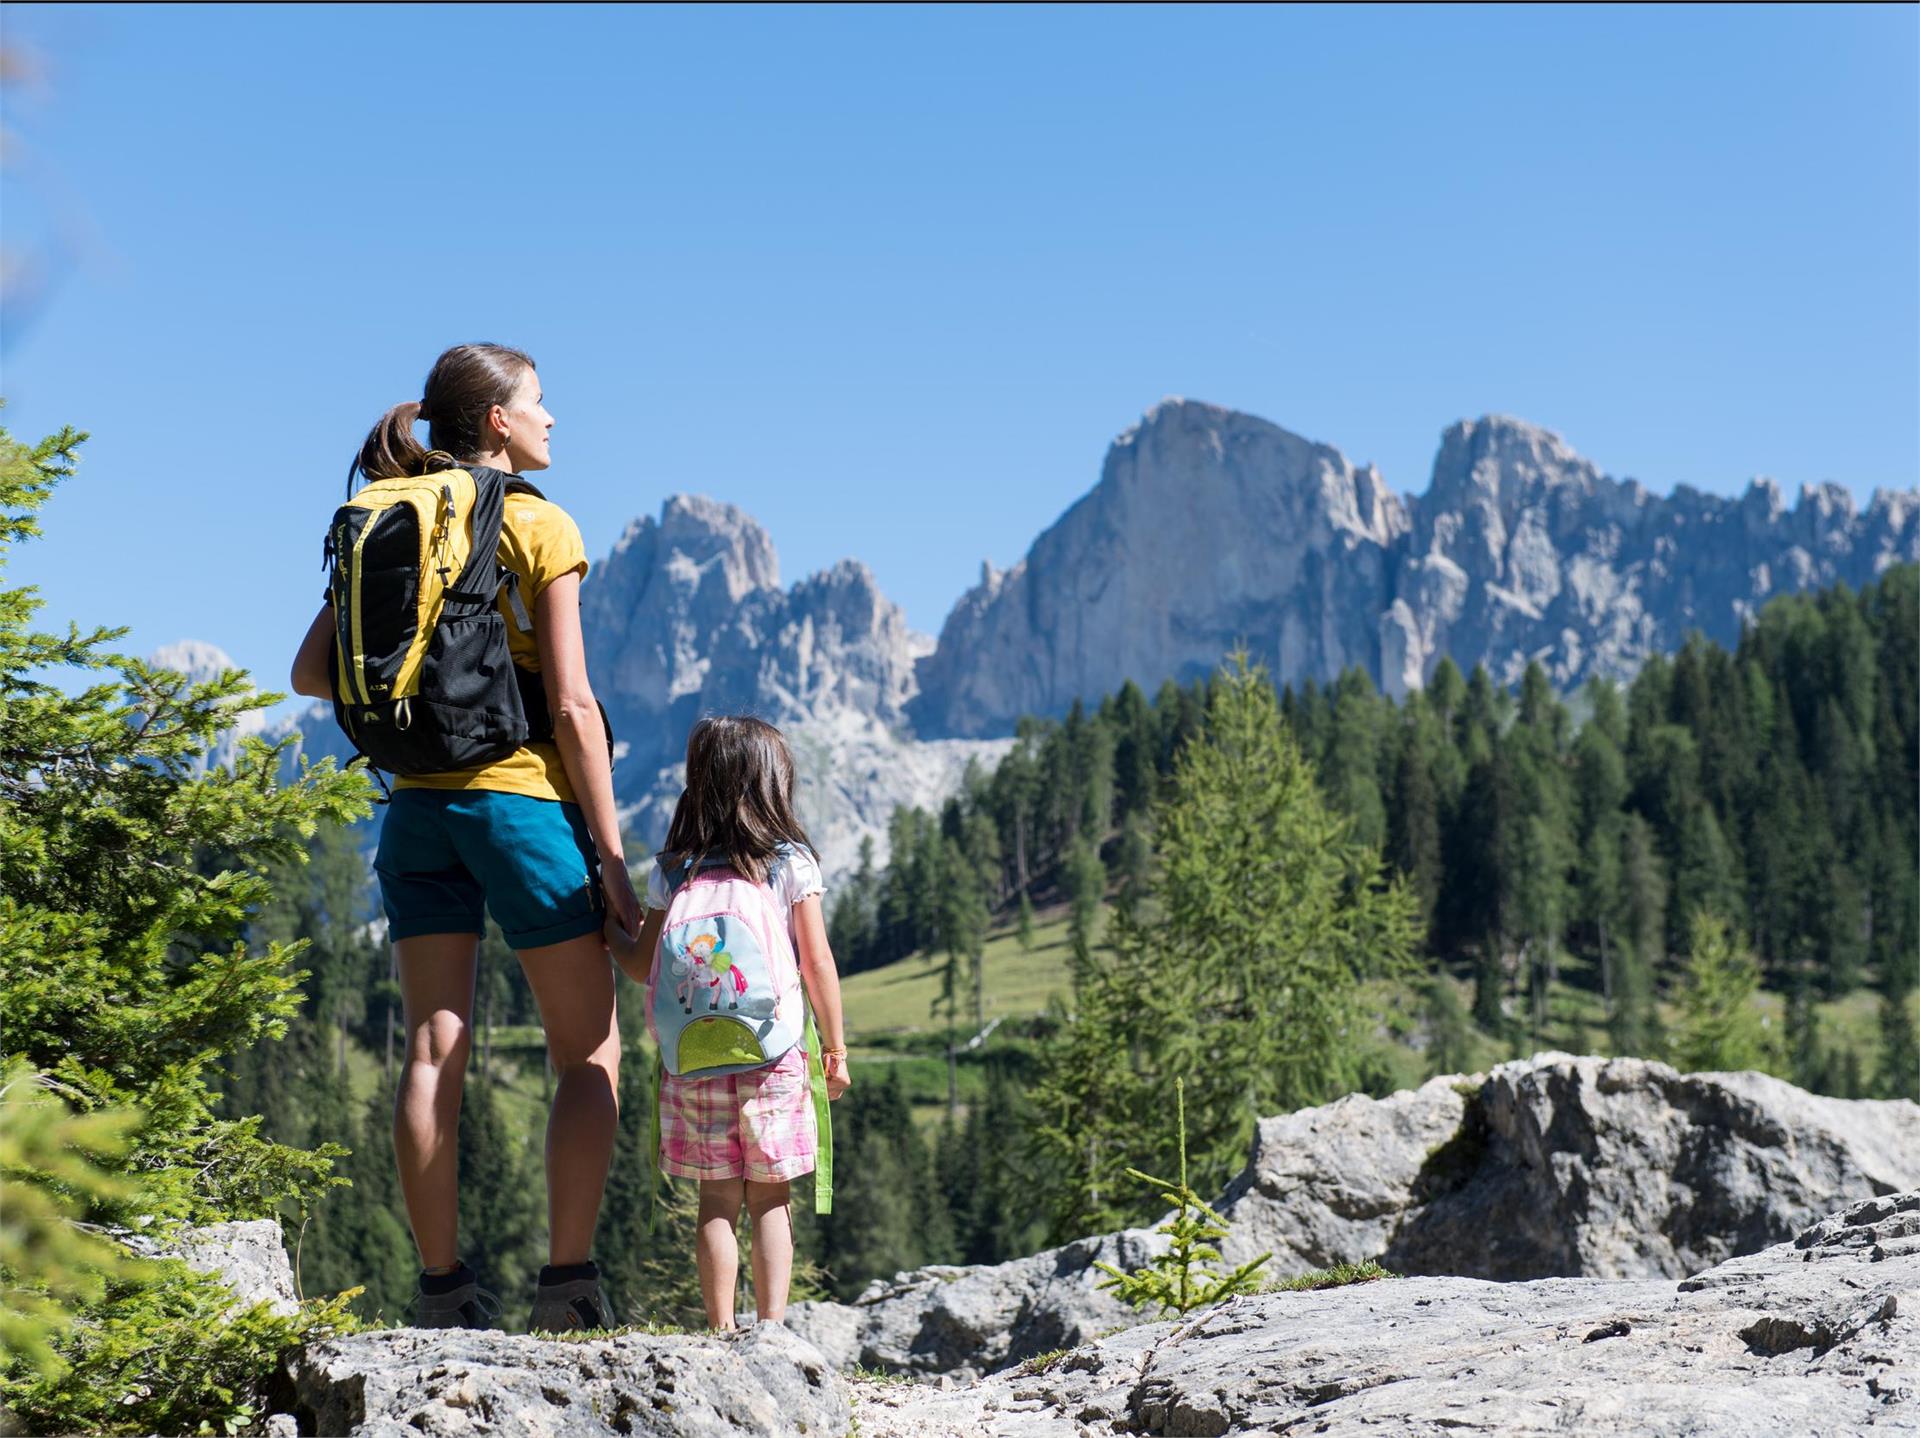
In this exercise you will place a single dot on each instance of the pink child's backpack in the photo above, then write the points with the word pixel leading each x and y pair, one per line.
pixel 724 996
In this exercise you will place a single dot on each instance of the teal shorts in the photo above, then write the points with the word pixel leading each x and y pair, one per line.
pixel 446 852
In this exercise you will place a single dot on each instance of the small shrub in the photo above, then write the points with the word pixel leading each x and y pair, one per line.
pixel 1176 1280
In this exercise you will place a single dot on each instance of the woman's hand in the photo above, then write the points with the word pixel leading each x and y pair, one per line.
pixel 838 1079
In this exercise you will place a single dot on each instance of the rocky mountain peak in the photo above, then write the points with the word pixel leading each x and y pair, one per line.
pixel 687 617
pixel 201 662
pixel 195 658
pixel 1206 525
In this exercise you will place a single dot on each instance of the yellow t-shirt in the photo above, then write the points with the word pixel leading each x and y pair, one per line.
pixel 540 542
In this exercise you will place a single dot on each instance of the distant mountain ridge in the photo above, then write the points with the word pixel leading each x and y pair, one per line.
pixel 1210 527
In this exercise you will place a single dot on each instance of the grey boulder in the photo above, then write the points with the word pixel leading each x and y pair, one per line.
pixel 402 1383
pixel 1818 1335
pixel 249 1257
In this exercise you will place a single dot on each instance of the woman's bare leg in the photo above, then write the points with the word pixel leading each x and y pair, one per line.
pixel 714 1250
pixel 573 984
pixel 772 1247
pixel 436 995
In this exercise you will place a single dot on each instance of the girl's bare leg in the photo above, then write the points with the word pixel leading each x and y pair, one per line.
pixel 436 996
pixel 715 1251
pixel 772 1247
pixel 573 984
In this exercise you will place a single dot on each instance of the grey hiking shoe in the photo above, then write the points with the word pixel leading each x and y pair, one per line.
pixel 453 1300
pixel 569 1297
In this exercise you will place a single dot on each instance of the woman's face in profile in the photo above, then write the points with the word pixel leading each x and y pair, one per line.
pixel 527 425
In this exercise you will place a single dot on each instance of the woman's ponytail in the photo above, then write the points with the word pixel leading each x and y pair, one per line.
pixel 464 385
pixel 390 450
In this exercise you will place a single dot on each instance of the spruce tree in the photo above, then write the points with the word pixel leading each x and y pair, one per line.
pixel 1263 920
pixel 1633 1022
pixel 503 1213
pixel 1719 1027
pixel 128 873
pixel 1414 820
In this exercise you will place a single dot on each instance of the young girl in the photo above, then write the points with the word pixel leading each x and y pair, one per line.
pixel 744 1136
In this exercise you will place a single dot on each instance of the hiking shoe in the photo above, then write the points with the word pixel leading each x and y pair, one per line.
pixel 569 1297
pixel 453 1300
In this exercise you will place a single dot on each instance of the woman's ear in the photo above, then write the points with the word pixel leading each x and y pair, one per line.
pixel 498 423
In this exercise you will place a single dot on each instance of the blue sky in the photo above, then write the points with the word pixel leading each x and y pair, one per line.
pixel 891 279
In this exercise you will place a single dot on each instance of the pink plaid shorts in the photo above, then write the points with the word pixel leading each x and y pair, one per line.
pixel 756 1125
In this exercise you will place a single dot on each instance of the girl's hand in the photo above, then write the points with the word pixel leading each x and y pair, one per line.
pixel 838 1079
pixel 634 953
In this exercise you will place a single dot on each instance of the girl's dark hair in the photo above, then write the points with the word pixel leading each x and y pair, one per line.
pixel 462 388
pixel 739 797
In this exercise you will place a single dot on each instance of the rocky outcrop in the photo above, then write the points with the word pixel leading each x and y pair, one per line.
pixel 1817 1335
pixel 249 1256
pixel 1564 1166
pixel 1210 528
pixel 975 1319
pixel 1552 1166
pixel 404 1382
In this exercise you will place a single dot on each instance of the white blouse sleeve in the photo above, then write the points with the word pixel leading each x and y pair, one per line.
pixel 800 877
pixel 657 895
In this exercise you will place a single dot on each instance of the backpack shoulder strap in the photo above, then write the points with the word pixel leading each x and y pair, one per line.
pixel 480 575
pixel 483 576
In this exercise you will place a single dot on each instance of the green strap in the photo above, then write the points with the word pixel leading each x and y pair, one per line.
pixel 823 1119
pixel 653 1164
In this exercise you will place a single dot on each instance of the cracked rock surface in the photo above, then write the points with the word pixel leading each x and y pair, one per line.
pixel 1818 1335
pixel 406 1382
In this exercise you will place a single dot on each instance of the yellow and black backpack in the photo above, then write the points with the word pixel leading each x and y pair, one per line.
pixel 423 681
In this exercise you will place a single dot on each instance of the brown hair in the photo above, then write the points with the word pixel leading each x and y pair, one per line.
pixel 462 388
pixel 739 797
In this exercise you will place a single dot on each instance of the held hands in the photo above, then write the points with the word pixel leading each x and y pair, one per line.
pixel 623 905
pixel 626 950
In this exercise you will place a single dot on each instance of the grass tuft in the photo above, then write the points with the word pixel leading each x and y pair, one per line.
pixel 1339 1276
pixel 1041 1362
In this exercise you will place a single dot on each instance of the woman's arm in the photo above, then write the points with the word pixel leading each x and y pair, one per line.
pixel 312 674
pixel 823 990
pixel 581 737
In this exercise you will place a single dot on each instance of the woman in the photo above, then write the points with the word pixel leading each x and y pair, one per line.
pixel 533 836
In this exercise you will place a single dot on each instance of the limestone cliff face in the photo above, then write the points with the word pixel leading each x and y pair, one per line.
pixel 1210 528
pixel 687 617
